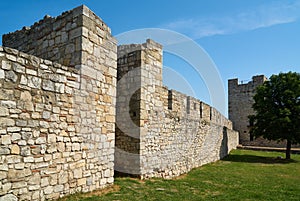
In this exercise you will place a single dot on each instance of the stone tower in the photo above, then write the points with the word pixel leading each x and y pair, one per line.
pixel 65 124
pixel 63 71
pixel 240 101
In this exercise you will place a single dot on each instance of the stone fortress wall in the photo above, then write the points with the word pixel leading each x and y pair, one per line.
pixel 240 101
pixel 171 132
pixel 66 125
pixel 58 117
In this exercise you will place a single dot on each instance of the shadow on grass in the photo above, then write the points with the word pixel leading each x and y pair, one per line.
pixel 125 175
pixel 257 159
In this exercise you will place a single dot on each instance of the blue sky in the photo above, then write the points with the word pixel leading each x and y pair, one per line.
pixel 243 38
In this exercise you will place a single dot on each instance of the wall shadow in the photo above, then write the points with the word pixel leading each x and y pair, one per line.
pixel 224 144
pixel 257 159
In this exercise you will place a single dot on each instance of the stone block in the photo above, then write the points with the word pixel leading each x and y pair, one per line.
pixel 11 57
pixel 6 187
pixel 31 72
pixel 2 74
pixel 48 85
pixel 75 33
pixel 81 181
pixel 6 94
pixel 9 197
pixel 40 140
pixel 58 188
pixel 4 150
pixel 4 122
pixel 13 129
pixel 46 115
pixel 6 65
pixel 17 174
pixel 3 111
pixel 51 138
pixel 60 88
pixel 44 181
pixel 15 149
pixel 22 123
pixel 63 177
pixel 36 195
pixel 28 159
pixel 34 82
pixel 33 187
pixel 19 166
pixel 3 175
pixel 11 76
pixel 48 190
pixel 9 104
pixel 43 66
pixel 77 173
pixel 5 139
pixel 35 179
pixel 20 184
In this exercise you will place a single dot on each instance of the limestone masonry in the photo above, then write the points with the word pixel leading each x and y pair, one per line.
pixel 240 101
pixel 171 133
pixel 66 125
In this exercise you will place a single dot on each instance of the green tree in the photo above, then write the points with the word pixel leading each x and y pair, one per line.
pixel 277 110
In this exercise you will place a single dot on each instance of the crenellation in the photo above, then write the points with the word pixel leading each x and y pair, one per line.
pixel 172 130
pixel 62 114
pixel 240 101
pixel 74 108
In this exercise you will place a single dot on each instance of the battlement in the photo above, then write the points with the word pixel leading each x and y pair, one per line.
pixel 256 80
pixel 73 110
pixel 57 103
pixel 240 101
pixel 162 119
pixel 65 39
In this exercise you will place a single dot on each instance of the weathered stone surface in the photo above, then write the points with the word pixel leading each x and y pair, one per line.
pixel 48 190
pixel 6 122
pixel 81 181
pixel 49 110
pixel 58 122
pixel 240 101
pixel 9 104
pixel 4 150
pixel 167 133
pixel 15 136
pixel 6 65
pixel 2 74
pixel 3 175
pixel 11 76
pixel 15 174
pixel 15 149
pixel 5 139
pixel 25 96
pixel 9 197
pixel 34 82
pixel 48 85
pixel 3 111
pixel 35 179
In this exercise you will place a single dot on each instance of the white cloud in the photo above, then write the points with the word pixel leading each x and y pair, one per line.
pixel 264 16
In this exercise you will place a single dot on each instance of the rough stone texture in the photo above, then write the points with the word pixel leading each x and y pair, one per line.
pixel 240 101
pixel 58 107
pixel 161 132
pixel 9 197
pixel 58 112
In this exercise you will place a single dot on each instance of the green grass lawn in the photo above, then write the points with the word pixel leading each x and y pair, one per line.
pixel 243 175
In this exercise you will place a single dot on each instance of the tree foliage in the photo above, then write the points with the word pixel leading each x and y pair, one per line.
pixel 277 109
